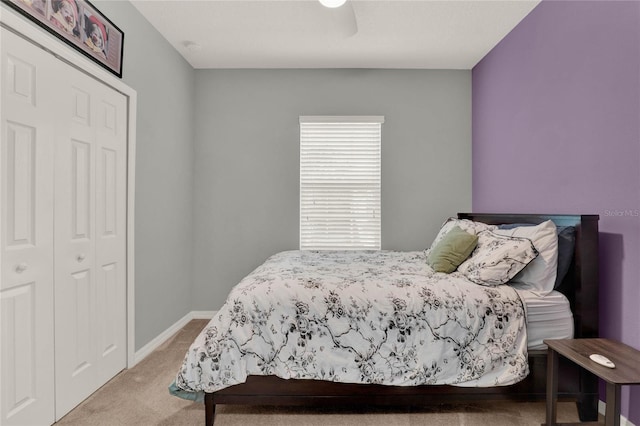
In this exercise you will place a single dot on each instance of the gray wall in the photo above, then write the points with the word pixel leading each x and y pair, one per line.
pixel 164 82
pixel 217 167
pixel 246 184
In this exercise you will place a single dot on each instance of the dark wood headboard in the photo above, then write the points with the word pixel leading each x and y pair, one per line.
pixel 581 282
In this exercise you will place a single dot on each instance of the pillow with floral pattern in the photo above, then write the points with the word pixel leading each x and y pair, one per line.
pixel 497 258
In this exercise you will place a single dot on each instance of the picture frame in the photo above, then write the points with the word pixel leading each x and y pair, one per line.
pixel 79 24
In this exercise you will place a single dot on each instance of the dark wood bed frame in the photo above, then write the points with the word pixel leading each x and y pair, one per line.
pixel 576 384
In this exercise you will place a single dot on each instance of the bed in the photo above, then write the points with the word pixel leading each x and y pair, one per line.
pixel 487 355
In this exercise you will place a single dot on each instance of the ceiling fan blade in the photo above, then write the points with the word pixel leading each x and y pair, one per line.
pixel 343 20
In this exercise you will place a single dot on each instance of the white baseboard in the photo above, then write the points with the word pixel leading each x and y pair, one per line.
pixel 203 314
pixel 602 407
pixel 144 351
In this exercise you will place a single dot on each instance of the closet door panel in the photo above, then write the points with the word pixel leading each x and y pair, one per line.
pixel 26 235
pixel 111 230
pixel 75 277
pixel 90 240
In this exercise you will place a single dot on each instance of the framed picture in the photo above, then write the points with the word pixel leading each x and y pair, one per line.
pixel 79 24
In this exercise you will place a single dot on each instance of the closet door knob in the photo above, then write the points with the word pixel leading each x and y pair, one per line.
pixel 80 258
pixel 21 267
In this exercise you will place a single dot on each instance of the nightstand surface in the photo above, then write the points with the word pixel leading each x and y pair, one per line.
pixel 626 358
pixel 626 371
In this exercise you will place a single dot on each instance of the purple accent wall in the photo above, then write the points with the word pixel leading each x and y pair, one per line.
pixel 556 129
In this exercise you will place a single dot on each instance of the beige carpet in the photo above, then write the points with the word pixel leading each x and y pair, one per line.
pixel 140 397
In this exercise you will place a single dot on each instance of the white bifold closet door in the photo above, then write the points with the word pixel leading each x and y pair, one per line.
pixel 26 284
pixel 89 238
pixel 63 234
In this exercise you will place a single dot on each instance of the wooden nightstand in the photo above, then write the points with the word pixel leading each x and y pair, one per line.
pixel 626 372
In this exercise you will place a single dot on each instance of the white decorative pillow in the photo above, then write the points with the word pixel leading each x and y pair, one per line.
pixel 465 224
pixel 540 275
pixel 497 259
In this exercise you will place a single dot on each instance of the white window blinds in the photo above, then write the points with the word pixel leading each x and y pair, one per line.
pixel 340 183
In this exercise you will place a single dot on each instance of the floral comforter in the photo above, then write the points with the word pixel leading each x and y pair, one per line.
pixel 359 317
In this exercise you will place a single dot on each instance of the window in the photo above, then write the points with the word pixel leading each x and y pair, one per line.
pixel 340 183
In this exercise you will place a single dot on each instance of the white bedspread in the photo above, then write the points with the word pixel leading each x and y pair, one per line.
pixel 360 317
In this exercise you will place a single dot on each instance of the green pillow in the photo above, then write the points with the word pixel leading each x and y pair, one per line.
pixel 452 250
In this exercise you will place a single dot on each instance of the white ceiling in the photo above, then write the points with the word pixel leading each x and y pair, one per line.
pixel 446 34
